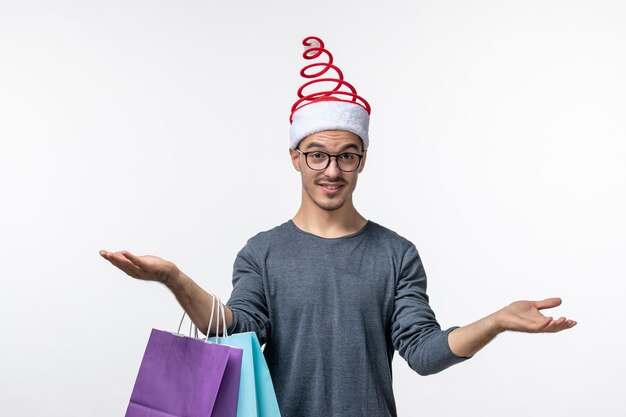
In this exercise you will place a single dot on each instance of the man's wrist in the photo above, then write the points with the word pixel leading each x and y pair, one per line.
pixel 496 325
pixel 173 279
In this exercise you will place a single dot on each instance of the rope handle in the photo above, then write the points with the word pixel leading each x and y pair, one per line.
pixel 219 311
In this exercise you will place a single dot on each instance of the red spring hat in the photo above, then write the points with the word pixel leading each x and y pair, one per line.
pixel 336 108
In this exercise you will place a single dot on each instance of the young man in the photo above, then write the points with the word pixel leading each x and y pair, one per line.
pixel 331 294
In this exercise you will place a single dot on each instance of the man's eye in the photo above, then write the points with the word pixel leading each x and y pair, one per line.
pixel 317 155
pixel 346 156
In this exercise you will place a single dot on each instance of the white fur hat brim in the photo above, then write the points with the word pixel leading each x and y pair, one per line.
pixel 329 115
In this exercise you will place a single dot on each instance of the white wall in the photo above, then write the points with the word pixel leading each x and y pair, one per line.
pixel 161 127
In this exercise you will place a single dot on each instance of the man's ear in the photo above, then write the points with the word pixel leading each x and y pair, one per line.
pixel 363 161
pixel 295 158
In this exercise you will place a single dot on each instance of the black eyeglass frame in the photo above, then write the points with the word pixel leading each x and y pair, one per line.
pixel 306 160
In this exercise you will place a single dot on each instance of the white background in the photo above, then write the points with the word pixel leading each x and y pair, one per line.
pixel 161 127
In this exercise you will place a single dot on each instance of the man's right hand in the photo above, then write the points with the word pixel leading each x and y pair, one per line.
pixel 147 267
pixel 193 299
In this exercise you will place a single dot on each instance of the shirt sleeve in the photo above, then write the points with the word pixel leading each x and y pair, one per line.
pixel 415 332
pixel 247 301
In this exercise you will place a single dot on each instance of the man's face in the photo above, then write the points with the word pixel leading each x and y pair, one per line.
pixel 332 188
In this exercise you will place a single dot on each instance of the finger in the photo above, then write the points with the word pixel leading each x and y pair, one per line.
pixel 139 261
pixel 125 265
pixel 134 259
pixel 567 324
pixel 535 325
pixel 548 303
pixel 107 254
pixel 545 323
pixel 557 325
pixel 120 261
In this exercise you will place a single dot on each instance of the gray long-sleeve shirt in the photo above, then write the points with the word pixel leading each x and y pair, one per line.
pixel 331 311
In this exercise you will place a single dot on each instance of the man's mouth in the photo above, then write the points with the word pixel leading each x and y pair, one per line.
pixel 331 187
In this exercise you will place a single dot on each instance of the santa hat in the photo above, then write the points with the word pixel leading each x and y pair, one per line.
pixel 331 109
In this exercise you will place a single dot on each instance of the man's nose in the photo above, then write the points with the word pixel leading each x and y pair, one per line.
pixel 332 169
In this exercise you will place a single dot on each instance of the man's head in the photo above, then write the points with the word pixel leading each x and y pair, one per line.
pixel 328 182
pixel 329 132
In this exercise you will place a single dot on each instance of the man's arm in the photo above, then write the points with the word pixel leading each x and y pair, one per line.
pixel 521 316
pixel 415 332
pixel 195 301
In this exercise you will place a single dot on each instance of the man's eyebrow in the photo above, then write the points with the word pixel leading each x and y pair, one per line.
pixel 319 145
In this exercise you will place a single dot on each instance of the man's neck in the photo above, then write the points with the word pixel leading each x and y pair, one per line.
pixel 329 224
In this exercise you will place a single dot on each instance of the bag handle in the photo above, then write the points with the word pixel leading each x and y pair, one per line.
pixel 192 326
pixel 224 328
pixel 220 311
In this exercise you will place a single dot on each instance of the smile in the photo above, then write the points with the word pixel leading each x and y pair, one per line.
pixel 331 188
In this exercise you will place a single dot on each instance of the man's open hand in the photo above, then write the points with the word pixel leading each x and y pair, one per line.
pixel 524 316
pixel 149 268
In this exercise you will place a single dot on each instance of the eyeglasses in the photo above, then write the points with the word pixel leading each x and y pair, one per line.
pixel 319 161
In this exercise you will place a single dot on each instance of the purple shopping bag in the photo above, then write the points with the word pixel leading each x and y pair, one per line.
pixel 183 376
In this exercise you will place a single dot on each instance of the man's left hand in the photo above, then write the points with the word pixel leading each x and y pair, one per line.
pixel 525 316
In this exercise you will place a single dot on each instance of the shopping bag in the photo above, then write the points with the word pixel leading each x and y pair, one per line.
pixel 184 376
pixel 257 397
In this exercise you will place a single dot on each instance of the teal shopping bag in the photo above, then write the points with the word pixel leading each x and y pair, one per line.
pixel 257 397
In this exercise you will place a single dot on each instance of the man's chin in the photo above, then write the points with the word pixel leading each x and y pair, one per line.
pixel 331 206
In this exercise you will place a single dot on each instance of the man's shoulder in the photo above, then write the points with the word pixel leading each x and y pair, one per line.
pixel 266 236
pixel 385 234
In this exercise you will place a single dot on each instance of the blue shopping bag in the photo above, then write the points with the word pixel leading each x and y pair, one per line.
pixel 257 397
